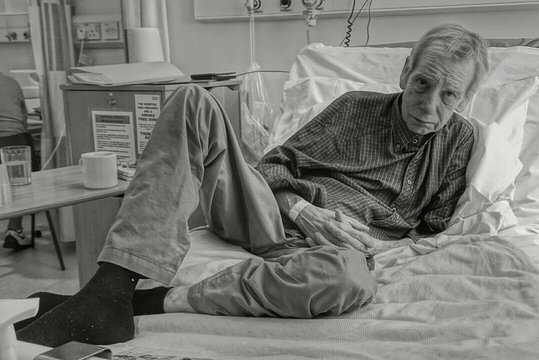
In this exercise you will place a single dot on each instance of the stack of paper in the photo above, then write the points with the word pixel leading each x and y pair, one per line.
pixel 126 172
pixel 127 74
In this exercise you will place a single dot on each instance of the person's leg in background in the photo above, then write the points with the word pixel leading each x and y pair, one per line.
pixel 15 238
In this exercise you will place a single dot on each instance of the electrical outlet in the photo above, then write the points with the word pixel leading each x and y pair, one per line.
pixel 88 31
pixel 110 30
pixel 98 31
pixel 15 35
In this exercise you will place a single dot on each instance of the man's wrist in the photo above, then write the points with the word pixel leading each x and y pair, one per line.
pixel 296 209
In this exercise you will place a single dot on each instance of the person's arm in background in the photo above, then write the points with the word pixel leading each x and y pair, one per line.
pixel 22 104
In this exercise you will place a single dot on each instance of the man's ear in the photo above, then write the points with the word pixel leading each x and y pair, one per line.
pixel 405 73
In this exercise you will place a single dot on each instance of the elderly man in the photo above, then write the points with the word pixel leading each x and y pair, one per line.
pixel 370 173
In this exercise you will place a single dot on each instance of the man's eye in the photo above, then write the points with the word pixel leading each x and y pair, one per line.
pixel 421 85
pixel 450 97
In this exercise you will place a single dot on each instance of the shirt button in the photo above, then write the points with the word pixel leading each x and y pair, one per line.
pixel 398 146
pixel 414 141
pixel 409 182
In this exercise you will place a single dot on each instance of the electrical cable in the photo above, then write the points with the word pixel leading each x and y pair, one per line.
pixel 262 71
pixel 368 23
pixel 252 35
pixel 348 34
pixel 346 39
pixel 81 49
pixel 44 167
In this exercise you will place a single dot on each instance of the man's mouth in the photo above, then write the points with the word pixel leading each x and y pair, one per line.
pixel 424 122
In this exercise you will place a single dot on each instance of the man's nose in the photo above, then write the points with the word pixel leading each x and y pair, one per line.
pixel 428 102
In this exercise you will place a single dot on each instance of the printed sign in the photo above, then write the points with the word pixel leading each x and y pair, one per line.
pixel 147 111
pixel 113 131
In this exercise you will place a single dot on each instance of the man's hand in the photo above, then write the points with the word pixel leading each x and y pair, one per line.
pixel 312 221
pixel 354 238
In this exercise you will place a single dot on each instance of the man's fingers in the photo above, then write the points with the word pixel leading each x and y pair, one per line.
pixel 343 232
pixel 338 215
pixel 359 226
pixel 321 240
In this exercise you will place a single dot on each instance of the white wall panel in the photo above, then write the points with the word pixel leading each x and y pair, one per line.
pixel 232 10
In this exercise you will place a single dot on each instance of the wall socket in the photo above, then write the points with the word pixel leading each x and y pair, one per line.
pixel 88 31
pixel 98 31
pixel 110 30
pixel 14 35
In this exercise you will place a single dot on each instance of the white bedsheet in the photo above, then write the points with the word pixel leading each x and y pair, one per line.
pixel 473 296
pixel 450 296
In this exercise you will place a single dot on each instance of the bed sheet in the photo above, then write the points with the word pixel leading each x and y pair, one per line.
pixel 465 297
pixel 470 292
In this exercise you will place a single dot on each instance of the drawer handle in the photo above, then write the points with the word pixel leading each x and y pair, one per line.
pixel 112 102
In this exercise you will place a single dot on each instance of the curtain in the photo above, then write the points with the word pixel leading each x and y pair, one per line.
pixel 52 44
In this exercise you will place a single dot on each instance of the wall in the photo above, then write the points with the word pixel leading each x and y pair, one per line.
pixel 202 47
pixel 19 55
pixel 96 8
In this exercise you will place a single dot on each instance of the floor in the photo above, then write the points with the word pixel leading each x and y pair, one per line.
pixel 30 270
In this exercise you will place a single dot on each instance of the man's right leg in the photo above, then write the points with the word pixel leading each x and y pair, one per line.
pixel 149 238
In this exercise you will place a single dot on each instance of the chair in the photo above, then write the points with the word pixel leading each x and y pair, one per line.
pixel 26 139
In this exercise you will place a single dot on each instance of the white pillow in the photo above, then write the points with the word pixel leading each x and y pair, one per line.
pixel 526 199
pixel 305 98
pixel 498 115
pixel 360 64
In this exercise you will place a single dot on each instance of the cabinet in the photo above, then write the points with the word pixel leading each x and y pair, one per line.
pixel 92 220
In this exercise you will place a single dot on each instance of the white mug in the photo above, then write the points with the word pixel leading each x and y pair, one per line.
pixel 99 169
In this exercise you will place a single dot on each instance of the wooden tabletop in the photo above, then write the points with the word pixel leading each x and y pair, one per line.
pixel 55 188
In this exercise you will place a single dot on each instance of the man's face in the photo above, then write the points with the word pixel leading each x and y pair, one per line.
pixel 433 90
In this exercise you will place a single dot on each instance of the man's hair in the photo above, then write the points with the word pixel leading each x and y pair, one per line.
pixel 458 44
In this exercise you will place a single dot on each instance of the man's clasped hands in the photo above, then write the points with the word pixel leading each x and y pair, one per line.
pixel 333 228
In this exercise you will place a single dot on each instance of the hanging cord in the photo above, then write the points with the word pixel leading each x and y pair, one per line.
pixel 346 39
pixel 368 23
pixel 252 34
pixel 51 156
pixel 81 48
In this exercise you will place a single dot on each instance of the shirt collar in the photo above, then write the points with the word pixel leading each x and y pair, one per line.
pixel 403 138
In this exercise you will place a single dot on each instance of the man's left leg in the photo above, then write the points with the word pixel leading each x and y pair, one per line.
pixel 189 144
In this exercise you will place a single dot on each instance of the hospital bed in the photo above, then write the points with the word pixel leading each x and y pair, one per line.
pixel 471 292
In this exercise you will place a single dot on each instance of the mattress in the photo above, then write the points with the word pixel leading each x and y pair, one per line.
pixel 472 296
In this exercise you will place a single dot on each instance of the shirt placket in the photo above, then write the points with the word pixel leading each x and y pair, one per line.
pixel 407 186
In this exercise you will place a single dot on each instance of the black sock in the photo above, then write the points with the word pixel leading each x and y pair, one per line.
pixel 149 301
pixel 100 313
pixel 47 301
pixel 145 302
